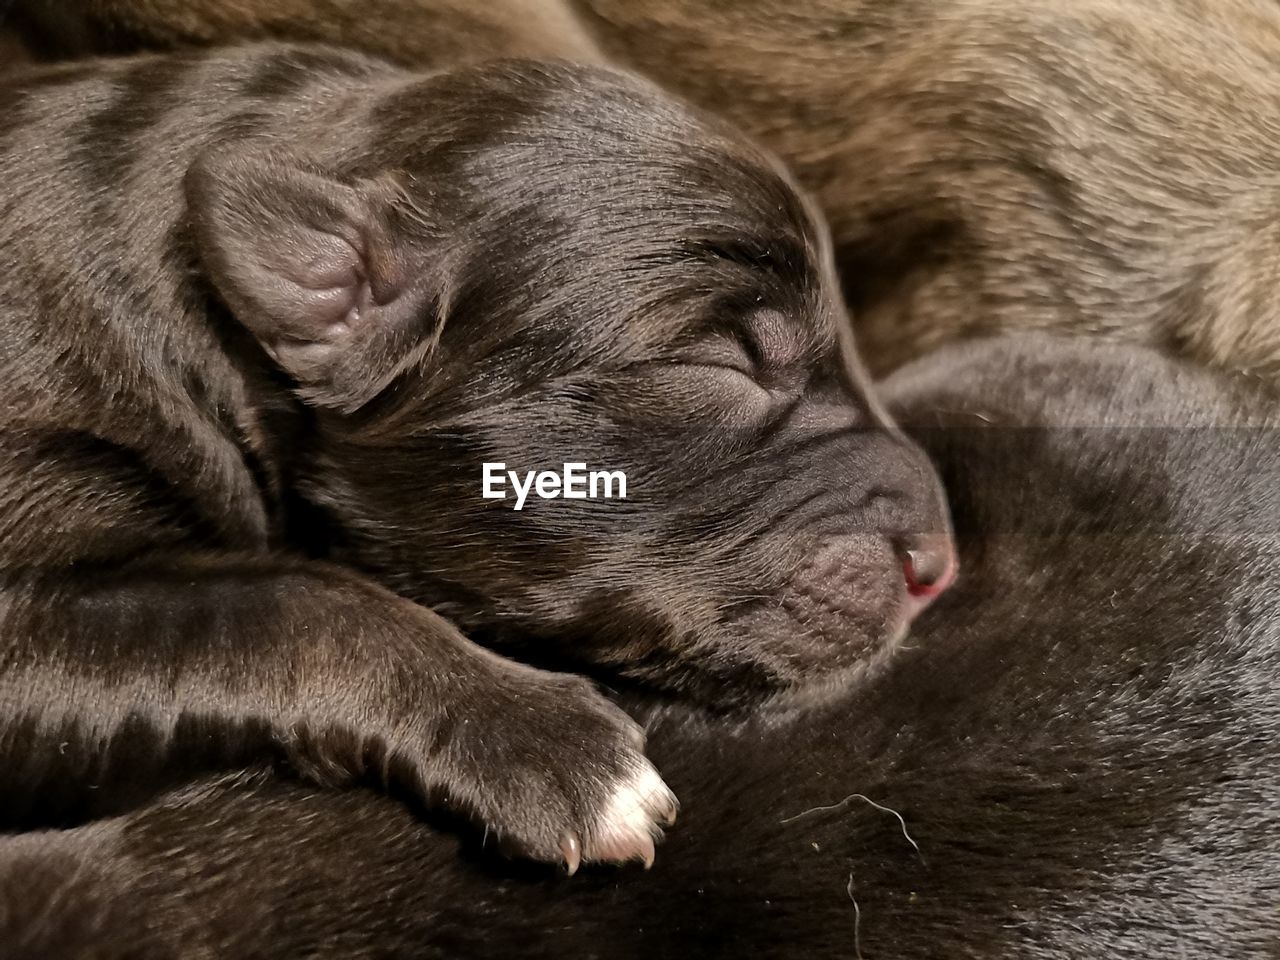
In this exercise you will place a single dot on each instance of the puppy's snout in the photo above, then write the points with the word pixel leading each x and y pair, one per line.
pixel 929 564
pixel 922 538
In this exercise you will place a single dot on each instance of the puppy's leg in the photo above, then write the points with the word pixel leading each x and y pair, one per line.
pixel 201 661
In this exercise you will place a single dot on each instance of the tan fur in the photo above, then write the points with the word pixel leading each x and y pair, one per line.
pixel 1107 167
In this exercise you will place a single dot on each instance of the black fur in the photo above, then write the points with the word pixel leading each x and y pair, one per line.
pixel 1080 742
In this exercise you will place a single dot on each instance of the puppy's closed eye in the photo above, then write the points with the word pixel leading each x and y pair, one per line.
pixel 761 346
pixel 717 372
pixel 734 355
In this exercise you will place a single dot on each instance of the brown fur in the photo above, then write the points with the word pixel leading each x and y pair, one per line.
pixel 13 53
pixel 406 31
pixel 1105 167
pixel 274 306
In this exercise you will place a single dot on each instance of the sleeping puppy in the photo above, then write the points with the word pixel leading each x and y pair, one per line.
pixel 1101 167
pixel 1076 757
pixel 262 301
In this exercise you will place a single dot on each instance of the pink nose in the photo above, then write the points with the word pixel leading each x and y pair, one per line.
pixel 929 565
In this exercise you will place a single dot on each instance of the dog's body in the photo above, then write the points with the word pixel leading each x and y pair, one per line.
pixel 1080 744
pixel 1107 167
pixel 261 301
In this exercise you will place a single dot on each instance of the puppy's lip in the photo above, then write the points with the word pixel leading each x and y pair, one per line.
pixel 927 591
pixel 927 574
pixel 914 604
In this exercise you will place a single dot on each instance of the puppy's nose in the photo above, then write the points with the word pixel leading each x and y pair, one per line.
pixel 929 564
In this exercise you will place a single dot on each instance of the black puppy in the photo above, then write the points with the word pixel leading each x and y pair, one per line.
pixel 1076 757
pixel 255 302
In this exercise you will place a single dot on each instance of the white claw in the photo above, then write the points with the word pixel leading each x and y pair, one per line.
pixel 631 819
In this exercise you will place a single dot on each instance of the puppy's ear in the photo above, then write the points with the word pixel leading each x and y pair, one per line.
pixel 313 266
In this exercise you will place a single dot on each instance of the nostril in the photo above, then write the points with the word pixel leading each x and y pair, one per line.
pixel 923 570
pixel 929 565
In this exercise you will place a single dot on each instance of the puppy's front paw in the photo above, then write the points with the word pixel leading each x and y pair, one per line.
pixel 555 772
pixel 631 822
